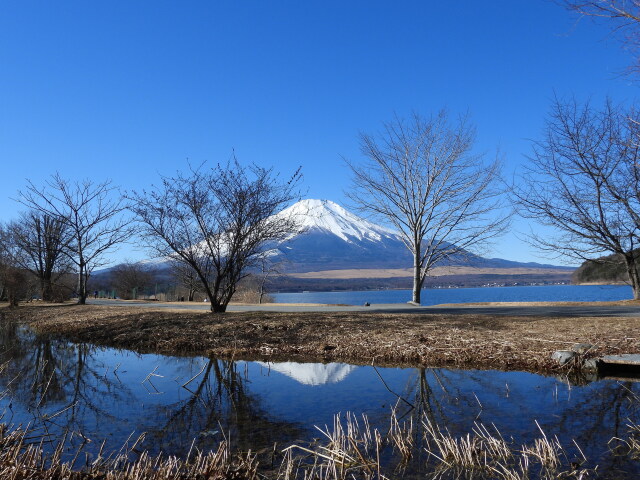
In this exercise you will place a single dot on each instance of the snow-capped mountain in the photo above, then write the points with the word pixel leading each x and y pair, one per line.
pixel 312 373
pixel 332 238
pixel 329 217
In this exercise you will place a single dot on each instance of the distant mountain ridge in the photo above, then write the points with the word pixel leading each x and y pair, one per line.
pixel 329 237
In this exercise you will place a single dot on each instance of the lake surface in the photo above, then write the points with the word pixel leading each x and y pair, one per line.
pixel 59 387
pixel 552 293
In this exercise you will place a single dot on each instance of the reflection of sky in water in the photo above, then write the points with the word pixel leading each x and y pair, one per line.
pixel 259 403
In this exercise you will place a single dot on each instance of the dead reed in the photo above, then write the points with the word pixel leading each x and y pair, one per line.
pixel 484 453
pixel 630 445
pixel 19 461
pixel 352 450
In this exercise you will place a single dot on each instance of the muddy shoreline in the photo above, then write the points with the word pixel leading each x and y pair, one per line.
pixel 434 340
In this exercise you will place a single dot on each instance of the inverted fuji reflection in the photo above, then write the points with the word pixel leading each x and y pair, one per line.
pixel 312 373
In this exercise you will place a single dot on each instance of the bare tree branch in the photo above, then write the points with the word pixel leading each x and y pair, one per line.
pixel 623 17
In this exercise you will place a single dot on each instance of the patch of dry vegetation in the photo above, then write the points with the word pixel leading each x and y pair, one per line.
pixel 349 449
pixel 468 341
pixel 22 461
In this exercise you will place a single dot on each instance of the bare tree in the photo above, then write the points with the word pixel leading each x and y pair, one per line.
pixel 130 278
pixel 186 277
pixel 41 240
pixel 91 214
pixel 267 270
pixel 216 221
pixel 421 176
pixel 583 181
pixel 6 259
pixel 13 280
pixel 623 15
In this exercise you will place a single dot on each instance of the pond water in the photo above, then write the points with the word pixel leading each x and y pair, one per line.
pixel 435 296
pixel 59 387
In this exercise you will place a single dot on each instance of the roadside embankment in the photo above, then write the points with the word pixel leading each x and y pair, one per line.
pixel 467 340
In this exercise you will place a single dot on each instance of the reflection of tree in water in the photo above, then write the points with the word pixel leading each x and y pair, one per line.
pixel 57 382
pixel 599 415
pixel 591 415
pixel 220 403
pixel 59 387
pixel 429 395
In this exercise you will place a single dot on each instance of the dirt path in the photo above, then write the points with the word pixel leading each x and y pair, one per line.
pixel 483 341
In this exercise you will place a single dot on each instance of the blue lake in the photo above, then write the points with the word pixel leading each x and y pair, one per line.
pixel 551 293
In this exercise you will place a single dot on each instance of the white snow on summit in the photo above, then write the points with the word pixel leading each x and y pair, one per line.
pixel 329 216
pixel 312 373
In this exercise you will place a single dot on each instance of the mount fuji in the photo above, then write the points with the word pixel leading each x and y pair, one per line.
pixel 332 238
pixel 333 248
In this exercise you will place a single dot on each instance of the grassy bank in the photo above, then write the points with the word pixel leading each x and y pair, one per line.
pixel 469 341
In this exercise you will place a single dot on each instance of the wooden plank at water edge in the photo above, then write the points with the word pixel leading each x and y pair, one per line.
pixel 631 359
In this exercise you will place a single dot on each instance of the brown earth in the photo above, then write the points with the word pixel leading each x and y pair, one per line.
pixel 468 341
pixel 434 272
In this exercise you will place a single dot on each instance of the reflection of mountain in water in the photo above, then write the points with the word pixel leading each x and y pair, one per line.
pixel 312 373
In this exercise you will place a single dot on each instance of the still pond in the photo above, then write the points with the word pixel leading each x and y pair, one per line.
pixel 94 393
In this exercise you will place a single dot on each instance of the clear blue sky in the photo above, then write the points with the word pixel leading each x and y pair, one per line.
pixel 126 90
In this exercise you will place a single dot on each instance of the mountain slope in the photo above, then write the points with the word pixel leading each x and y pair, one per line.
pixel 332 238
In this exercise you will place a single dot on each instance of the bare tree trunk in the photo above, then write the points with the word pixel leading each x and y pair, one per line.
pixel 218 308
pixel 13 299
pixel 82 285
pixel 47 291
pixel 262 289
pixel 417 273
pixel 634 275
pixel 43 294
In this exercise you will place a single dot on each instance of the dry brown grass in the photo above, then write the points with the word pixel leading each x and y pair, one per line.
pixel 19 461
pixel 349 449
pixel 469 341
pixel 434 272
